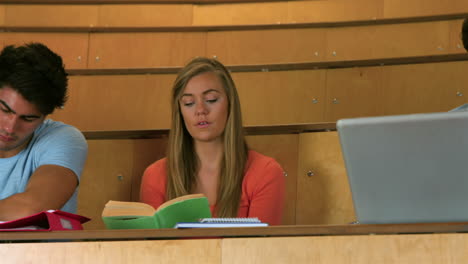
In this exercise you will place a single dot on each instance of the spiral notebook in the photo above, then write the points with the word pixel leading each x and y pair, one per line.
pixel 222 222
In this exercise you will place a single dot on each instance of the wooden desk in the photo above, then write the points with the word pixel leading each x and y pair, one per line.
pixel 408 243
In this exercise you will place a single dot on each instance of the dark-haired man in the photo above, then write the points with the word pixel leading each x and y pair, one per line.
pixel 41 160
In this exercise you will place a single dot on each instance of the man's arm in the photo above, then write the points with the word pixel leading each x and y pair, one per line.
pixel 49 187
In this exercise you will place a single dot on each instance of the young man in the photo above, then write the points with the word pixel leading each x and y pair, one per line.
pixel 40 160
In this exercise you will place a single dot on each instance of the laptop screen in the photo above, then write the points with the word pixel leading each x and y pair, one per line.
pixel 407 168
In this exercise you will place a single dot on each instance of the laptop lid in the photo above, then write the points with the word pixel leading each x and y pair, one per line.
pixel 407 168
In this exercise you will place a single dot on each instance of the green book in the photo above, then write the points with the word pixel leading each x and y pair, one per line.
pixel 136 215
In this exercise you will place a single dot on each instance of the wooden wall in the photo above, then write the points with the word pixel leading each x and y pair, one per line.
pixel 294 62
pixel 112 14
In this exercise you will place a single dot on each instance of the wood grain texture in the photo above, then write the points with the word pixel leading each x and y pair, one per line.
pixel 456 43
pixel 72 47
pixel 144 50
pixel 51 15
pixel 2 16
pixel 353 92
pixel 323 196
pixel 252 232
pixel 127 13
pixel 423 88
pixel 267 46
pixel 334 10
pixel 422 248
pixel 286 97
pixel 387 41
pixel 145 15
pixel 241 14
pixel 107 176
pixel 284 149
pixel 145 152
pixel 402 8
pixel 165 251
pixel 113 172
pixel 123 102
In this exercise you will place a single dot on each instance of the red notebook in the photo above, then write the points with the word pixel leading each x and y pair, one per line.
pixel 50 220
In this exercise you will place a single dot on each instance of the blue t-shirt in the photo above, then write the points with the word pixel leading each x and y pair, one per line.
pixel 53 143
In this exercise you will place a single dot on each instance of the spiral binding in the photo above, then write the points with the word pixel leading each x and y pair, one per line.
pixel 230 220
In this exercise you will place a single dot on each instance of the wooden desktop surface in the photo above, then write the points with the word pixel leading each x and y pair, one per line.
pixel 271 231
pixel 403 243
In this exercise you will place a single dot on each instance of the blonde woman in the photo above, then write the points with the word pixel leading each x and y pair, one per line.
pixel 207 152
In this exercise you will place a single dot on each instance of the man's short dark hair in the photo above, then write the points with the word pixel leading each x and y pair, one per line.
pixel 35 72
pixel 465 33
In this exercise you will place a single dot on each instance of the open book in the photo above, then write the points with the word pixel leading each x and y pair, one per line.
pixel 136 215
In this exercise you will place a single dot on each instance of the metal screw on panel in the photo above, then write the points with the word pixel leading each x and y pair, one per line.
pixel 285 174
pixel 334 53
pixel 314 101
pixel 316 54
pixel 265 70
pixel 459 46
pixel 310 173
pixel 120 177
pixel 459 94
pixel 97 58
pixel 79 58
pixel 440 48
pixel 335 101
pixel 215 57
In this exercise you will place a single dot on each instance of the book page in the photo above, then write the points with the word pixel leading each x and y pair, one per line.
pixel 180 198
pixel 118 208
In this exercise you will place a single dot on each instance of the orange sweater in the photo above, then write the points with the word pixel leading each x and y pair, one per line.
pixel 263 188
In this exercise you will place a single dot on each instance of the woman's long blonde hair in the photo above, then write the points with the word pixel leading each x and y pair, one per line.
pixel 182 160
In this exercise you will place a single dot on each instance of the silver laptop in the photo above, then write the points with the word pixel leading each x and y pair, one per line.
pixel 407 168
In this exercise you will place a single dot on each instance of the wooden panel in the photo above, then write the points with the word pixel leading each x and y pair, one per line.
pixel 144 50
pixel 51 15
pixel 2 16
pixel 2 40
pixel 413 8
pixel 73 47
pixel 240 14
pixel 324 197
pixel 267 46
pixel 145 152
pixel 387 41
pixel 284 149
pixel 456 43
pixel 113 172
pixel 431 87
pixel 118 102
pixel 405 248
pixel 282 97
pixel 287 12
pixel 334 10
pixel 422 248
pixel 116 252
pixel 151 15
pixel 107 176
pixel 353 92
